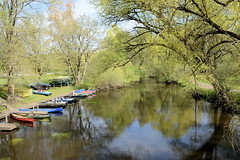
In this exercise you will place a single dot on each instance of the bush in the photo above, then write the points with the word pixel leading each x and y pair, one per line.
pixel 111 78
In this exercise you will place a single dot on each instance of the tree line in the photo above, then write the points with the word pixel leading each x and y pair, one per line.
pixel 172 41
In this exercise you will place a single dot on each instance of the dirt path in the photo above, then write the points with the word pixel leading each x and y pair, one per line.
pixel 208 86
pixel 204 85
pixel 10 109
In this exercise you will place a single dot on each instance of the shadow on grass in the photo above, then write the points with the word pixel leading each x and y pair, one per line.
pixel 3 92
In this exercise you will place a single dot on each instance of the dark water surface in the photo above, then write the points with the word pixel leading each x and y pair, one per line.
pixel 147 121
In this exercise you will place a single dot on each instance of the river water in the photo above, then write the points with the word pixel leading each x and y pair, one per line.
pixel 146 121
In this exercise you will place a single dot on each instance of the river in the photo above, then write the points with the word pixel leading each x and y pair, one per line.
pixel 145 121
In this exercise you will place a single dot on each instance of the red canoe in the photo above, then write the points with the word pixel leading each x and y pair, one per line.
pixel 21 118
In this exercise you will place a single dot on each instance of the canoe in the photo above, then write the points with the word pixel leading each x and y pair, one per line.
pixel 89 92
pixel 40 86
pixel 84 92
pixel 49 110
pixel 41 92
pixel 67 100
pixel 34 115
pixel 52 105
pixel 76 96
pixel 21 118
pixel 30 112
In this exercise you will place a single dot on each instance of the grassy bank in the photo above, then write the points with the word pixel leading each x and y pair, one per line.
pixel 21 85
pixel 206 92
pixel 55 92
pixel 35 98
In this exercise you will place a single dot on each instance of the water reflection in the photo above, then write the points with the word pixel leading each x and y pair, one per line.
pixel 147 121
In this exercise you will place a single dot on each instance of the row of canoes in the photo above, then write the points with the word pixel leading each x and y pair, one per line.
pixel 53 106
pixel 77 93
pixel 28 115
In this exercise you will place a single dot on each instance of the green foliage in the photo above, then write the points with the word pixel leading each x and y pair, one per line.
pixel 228 71
pixel 203 35
pixel 131 73
pixel 111 78
pixel 236 97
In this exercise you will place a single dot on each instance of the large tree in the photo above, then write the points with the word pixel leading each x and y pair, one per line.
pixel 11 15
pixel 75 39
pixel 201 32
pixel 37 45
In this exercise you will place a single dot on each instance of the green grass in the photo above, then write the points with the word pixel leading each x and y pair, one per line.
pixel 55 92
pixel 2 108
pixel 33 98
pixel 4 90
pixel 3 81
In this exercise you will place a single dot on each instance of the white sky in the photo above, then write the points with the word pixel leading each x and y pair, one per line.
pixel 84 7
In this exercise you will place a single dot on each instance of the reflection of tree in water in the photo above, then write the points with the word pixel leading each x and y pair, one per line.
pixel 168 109
pixel 83 139
pixel 89 139
pixel 195 145
pixel 90 126
pixel 5 140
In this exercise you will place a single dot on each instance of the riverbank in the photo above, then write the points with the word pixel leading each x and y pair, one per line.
pixel 206 92
pixel 30 105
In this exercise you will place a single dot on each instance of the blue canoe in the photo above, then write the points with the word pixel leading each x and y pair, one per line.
pixel 49 110
pixel 41 92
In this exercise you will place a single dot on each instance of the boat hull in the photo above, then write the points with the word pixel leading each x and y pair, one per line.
pixel 49 110
pixel 34 115
pixel 21 118
pixel 51 105
pixel 42 93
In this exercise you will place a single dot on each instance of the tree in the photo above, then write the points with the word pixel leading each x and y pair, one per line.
pixel 75 41
pixel 37 45
pixel 11 14
pixel 201 32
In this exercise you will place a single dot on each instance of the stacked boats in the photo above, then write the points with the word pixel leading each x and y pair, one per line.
pixel 45 109
pixel 82 93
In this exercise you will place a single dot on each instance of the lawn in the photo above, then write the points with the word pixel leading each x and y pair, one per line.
pixel 21 86
pixel 3 81
pixel 55 92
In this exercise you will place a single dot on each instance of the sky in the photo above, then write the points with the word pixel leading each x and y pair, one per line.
pixel 84 7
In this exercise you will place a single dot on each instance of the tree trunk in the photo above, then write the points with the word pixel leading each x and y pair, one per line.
pixel 79 70
pixel 78 75
pixel 222 93
pixel 72 71
pixel 85 70
pixel 10 97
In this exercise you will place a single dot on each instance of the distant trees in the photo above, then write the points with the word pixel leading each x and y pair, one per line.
pixel 202 33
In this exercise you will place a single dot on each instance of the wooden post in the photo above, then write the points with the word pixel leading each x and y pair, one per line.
pixel 6 119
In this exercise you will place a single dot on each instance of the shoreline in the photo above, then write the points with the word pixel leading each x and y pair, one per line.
pixel 27 106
